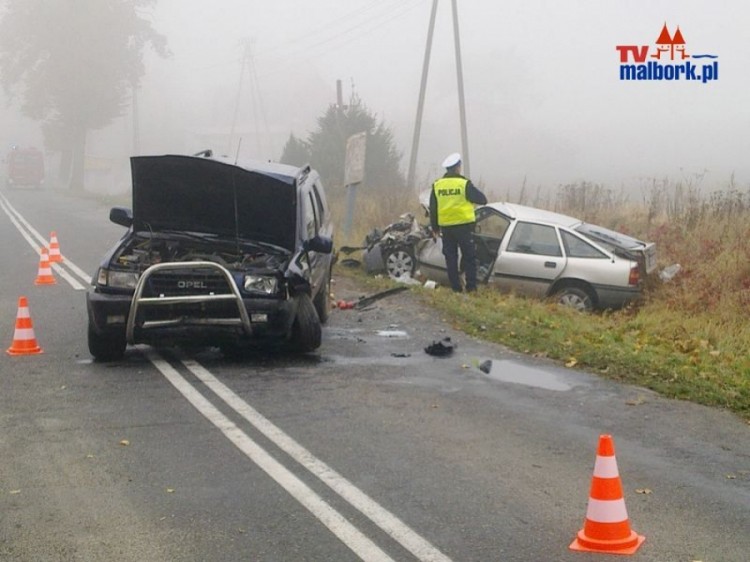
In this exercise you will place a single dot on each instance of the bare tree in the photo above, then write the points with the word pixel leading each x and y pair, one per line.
pixel 73 65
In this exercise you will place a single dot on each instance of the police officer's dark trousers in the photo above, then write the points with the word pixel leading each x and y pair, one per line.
pixel 455 237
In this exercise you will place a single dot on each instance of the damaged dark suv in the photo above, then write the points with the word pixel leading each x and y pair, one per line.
pixel 217 253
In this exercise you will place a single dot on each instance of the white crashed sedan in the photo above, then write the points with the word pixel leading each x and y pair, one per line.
pixel 539 253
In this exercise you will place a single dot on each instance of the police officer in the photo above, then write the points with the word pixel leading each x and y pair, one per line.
pixel 452 216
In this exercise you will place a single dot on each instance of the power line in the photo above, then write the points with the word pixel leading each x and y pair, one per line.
pixel 337 42
pixel 320 29
pixel 389 11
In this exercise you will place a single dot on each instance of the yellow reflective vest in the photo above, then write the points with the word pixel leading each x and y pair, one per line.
pixel 452 206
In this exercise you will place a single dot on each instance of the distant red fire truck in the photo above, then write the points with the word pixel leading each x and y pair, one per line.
pixel 24 166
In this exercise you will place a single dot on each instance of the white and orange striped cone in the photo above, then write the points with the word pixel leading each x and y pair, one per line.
pixel 44 275
pixel 606 528
pixel 24 341
pixel 54 248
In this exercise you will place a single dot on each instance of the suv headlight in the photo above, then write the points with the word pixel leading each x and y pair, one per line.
pixel 117 279
pixel 260 284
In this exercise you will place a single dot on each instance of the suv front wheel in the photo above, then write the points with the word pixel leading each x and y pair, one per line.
pixel 306 330
pixel 322 300
pixel 106 347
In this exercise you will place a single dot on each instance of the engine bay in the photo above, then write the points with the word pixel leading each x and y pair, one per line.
pixel 141 252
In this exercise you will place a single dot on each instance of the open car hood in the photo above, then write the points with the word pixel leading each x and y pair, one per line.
pixel 201 194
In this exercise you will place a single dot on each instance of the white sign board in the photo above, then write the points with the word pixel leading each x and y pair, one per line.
pixel 354 166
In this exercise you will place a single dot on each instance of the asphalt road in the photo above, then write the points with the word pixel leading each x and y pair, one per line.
pixel 368 449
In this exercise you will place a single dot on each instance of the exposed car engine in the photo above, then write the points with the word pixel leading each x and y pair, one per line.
pixel 143 252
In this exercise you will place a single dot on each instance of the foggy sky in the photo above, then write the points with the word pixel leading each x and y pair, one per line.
pixel 543 96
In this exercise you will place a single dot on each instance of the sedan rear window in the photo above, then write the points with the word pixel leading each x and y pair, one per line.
pixel 577 248
pixel 609 238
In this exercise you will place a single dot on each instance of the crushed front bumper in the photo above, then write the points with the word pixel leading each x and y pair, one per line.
pixel 209 317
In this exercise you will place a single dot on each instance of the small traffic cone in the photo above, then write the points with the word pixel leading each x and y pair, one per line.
pixel 54 249
pixel 24 342
pixel 606 528
pixel 44 275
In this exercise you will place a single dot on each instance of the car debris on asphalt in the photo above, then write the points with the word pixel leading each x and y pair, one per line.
pixel 364 302
pixel 486 366
pixel 442 348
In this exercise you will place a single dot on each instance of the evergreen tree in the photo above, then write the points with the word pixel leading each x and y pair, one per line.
pixel 327 145
pixel 296 152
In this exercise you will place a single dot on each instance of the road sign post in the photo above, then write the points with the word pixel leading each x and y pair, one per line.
pixel 354 175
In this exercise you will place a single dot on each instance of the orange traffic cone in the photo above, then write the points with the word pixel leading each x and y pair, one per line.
pixel 24 342
pixel 44 275
pixel 606 528
pixel 54 249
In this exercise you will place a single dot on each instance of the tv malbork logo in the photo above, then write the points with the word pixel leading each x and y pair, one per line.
pixel 671 61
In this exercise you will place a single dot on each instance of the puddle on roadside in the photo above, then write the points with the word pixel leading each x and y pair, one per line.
pixel 511 371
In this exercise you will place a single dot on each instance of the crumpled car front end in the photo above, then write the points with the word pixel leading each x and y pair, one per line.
pixel 161 289
pixel 213 256
pixel 393 249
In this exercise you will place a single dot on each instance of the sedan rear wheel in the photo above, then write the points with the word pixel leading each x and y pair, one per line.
pixel 576 298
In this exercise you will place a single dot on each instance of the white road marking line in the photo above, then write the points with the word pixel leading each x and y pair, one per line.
pixel 391 524
pixel 27 231
pixel 336 523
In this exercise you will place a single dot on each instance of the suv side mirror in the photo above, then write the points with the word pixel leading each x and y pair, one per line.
pixel 121 216
pixel 320 244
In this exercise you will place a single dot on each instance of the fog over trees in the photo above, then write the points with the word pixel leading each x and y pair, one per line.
pixel 545 105
pixel 73 66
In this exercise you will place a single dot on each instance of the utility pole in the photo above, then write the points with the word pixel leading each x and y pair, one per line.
pixel 423 87
pixel 420 103
pixel 461 102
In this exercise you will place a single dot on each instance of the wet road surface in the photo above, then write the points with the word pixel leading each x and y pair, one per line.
pixel 367 449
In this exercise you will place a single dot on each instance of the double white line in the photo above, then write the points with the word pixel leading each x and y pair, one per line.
pixel 37 242
pixel 336 523
pixel 345 531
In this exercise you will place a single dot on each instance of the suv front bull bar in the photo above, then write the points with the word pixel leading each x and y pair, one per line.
pixel 138 300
